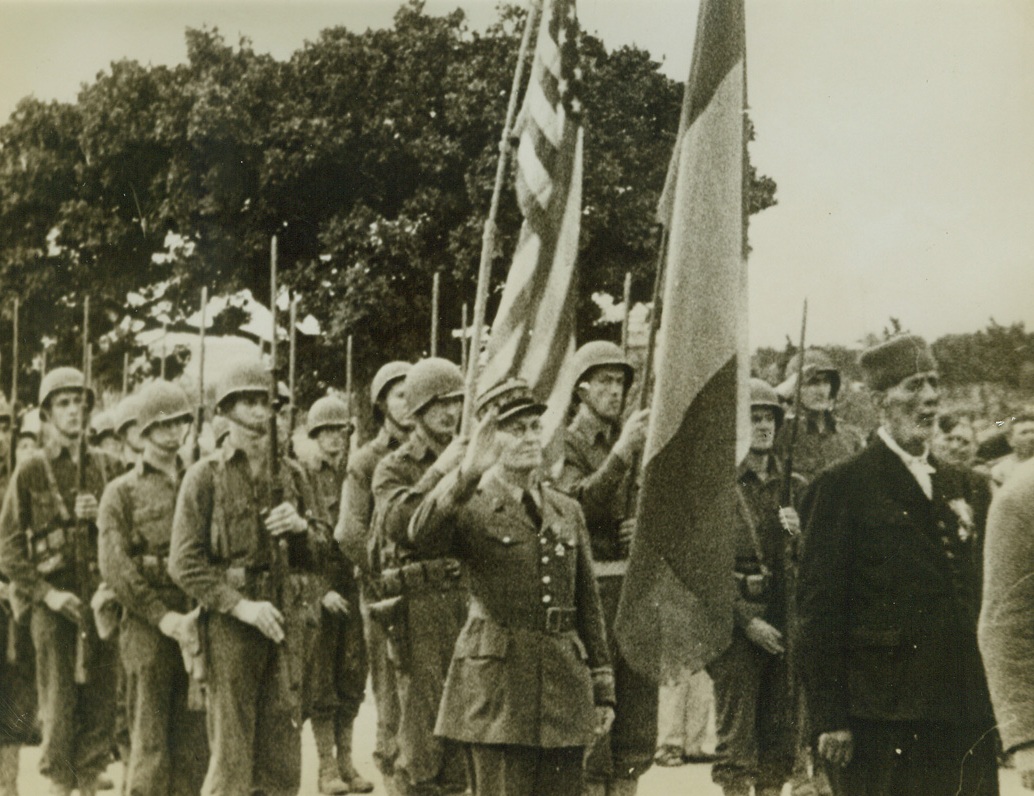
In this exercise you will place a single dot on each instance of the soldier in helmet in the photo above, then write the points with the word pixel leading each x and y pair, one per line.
pixel 168 748
pixel 103 436
pixel 530 685
pixel 127 429
pixel 391 413
pixel 432 594
pixel 339 666
pixel 227 552
pixel 29 436
pixel 599 453
pixel 822 439
pixel 41 517
pixel 755 709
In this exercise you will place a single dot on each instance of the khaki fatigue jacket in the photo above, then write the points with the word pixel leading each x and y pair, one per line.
pixel 135 525
pixel 532 659
pixel 31 510
pixel 218 526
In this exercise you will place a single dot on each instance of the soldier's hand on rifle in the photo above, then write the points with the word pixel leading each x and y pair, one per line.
pixel 86 507
pixel 336 604
pixel 837 747
pixel 633 435
pixel 604 719
pixel 484 447
pixel 263 616
pixel 65 603
pixel 285 519
pixel 765 636
pixel 789 520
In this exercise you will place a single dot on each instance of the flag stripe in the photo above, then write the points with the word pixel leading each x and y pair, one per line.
pixel 683 553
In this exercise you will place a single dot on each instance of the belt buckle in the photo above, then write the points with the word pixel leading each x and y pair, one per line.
pixel 554 620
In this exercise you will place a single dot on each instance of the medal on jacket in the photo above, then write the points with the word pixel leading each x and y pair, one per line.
pixel 964 512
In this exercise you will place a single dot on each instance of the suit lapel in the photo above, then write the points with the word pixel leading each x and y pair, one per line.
pixel 898 480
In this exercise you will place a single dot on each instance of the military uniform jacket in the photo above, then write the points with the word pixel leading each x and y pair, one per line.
pixel 889 595
pixel 135 526
pixel 599 480
pixel 815 450
pixel 326 480
pixel 532 659
pixel 35 515
pixel 353 529
pixel 217 530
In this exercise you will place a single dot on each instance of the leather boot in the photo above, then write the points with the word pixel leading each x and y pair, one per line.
pixel 736 790
pixel 329 781
pixel 595 789
pixel 767 790
pixel 622 787
pixel 355 781
pixel 9 769
pixel 58 789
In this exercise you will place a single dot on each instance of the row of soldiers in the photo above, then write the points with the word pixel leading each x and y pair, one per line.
pixel 481 596
pixel 211 610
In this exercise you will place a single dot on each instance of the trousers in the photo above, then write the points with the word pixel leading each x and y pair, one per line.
pixel 504 770
pixel 168 742
pixel 78 721
pixel 385 693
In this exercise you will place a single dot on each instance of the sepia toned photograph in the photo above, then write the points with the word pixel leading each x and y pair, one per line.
pixel 532 398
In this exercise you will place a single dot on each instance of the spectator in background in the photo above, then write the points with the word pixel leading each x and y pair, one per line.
pixel 955 441
pixel 1021 439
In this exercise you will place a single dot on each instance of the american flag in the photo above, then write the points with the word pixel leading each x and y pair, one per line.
pixel 533 332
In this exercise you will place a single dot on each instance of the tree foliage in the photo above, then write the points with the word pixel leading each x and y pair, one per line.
pixel 370 155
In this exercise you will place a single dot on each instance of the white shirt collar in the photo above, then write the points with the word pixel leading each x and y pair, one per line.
pixel 919 466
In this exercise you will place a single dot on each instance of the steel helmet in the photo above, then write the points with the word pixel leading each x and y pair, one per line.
pixel 126 413
pixel 244 376
pixel 161 401
pixel 386 376
pixel 763 394
pixel 65 378
pixel 102 424
pixel 327 412
pixel 816 362
pixel 432 379
pixel 30 426
pixel 598 354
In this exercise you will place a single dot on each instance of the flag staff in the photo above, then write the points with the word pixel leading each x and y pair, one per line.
pixel 488 237
pixel 655 320
pixel 463 337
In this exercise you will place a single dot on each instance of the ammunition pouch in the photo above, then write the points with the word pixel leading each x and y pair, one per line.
pixel 392 615
pixel 436 574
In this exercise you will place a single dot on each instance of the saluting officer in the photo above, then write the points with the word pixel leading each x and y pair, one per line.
pixel 530 685
pixel 42 514
pixel 598 456
pixel 433 597
pixel 338 669
pixel 222 555
pixel 168 746
pixel 353 534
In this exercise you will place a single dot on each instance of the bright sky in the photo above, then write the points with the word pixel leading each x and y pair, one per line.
pixel 898 131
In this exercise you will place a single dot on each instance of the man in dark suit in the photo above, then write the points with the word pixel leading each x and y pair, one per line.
pixel 889 597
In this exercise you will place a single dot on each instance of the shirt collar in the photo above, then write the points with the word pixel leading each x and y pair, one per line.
pixel 493 476
pixel 421 447
pixel 55 448
pixel 588 424
pixel 773 469
pixel 143 467
pixel 922 460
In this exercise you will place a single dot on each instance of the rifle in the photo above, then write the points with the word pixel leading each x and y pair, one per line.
pixel 199 417
pixel 786 487
pixel 14 377
pixel 291 363
pixel 83 639
pixel 288 680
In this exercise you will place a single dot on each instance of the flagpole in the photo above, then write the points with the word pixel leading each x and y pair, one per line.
pixel 436 286
pixel 626 303
pixel 488 237
pixel 463 337
pixel 655 320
